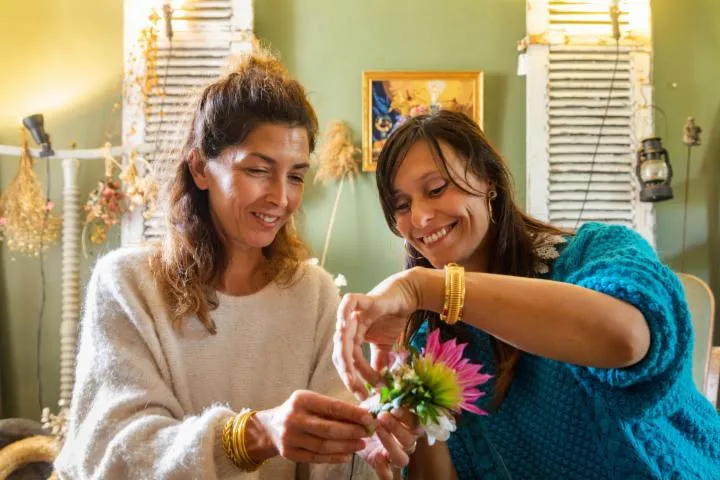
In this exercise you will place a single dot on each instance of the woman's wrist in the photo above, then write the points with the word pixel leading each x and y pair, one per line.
pixel 258 441
pixel 429 288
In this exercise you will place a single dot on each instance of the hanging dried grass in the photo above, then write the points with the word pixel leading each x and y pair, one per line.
pixel 337 160
pixel 26 224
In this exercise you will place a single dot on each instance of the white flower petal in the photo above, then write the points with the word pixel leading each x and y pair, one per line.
pixel 340 280
pixel 440 431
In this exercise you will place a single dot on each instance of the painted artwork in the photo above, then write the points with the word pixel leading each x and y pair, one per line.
pixel 390 98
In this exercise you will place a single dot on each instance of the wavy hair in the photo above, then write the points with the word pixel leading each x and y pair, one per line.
pixel 187 263
pixel 512 236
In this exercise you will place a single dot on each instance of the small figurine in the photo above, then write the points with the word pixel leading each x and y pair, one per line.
pixel 691 133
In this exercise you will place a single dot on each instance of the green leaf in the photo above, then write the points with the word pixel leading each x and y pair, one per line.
pixel 384 394
pixel 432 413
pixel 398 401
pixel 422 413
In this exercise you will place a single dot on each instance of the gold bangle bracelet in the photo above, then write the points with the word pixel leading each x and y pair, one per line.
pixel 234 442
pixel 454 294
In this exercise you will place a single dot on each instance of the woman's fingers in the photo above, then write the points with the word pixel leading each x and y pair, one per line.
pixel 363 367
pixel 305 456
pixel 379 358
pixel 408 419
pixel 324 446
pixel 330 429
pixel 332 408
pixel 383 469
pixel 357 315
pixel 365 370
pixel 396 454
pixel 344 347
pixel 352 323
pixel 406 438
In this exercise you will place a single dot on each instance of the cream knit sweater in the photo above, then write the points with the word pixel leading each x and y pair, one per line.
pixel 150 402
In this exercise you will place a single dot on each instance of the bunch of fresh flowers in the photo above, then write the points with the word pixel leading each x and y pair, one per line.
pixel 435 384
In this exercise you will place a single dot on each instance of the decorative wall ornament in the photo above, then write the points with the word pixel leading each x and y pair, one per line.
pixel 141 190
pixel 337 160
pixel 389 98
pixel 141 80
pixel 27 225
pixel 105 204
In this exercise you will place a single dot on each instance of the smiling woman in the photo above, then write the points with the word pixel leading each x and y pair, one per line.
pixel 586 333
pixel 169 382
pixel 255 188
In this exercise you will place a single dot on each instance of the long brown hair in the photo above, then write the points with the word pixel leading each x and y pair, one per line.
pixel 258 90
pixel 512 236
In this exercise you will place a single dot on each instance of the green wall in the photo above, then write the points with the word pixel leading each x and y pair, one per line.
pixel 63 59
pixel 687 68
pixel 327 44
pixel 70 70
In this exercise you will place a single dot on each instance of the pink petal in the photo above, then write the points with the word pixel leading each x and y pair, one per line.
pixel 432 347
pixel 452 353
pixel 474 409
pixel 472 395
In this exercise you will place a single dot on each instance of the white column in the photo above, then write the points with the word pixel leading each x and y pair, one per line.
pixel 70 278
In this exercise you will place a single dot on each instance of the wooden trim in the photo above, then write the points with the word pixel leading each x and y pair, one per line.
pixel 537 137
pixel 713 377
pixel 711 329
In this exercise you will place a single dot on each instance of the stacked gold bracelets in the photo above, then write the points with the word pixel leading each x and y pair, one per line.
pixel 234 441
pixel 454 294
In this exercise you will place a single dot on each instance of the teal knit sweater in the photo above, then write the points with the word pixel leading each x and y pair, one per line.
pixel 561 421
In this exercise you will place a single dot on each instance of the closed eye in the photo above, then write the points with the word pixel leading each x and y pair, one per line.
pixel 298 179
pixel 402 208
pixel 435 192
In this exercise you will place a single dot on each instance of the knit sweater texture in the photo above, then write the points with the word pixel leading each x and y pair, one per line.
pixel 150 402
pixel 561 421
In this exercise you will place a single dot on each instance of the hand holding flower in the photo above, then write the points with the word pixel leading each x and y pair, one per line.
pixel 434 384
pixel 377 318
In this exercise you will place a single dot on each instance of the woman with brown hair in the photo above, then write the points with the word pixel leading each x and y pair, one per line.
pixel 586 333
pixel 209 356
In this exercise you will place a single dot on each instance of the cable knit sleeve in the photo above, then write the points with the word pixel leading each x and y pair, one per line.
pixel 618 262
pixel 125 420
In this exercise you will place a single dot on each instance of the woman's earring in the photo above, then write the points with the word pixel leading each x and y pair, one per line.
pixel 492 195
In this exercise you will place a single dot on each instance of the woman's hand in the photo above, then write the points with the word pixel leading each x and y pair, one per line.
pixel 394 441
pixel 377 318
pixel 312 428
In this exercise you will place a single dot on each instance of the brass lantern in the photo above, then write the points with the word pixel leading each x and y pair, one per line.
pixel 654 171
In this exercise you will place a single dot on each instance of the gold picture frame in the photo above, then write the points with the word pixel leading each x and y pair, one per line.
pixel 389 97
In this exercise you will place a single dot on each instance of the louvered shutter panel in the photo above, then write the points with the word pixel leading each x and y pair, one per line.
pixel 588 107
pixel 206 34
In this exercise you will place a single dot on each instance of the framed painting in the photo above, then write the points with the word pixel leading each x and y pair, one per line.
pixel 390 98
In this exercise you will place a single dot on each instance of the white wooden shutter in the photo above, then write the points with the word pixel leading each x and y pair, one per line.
pixel 588 106
pixel 206 34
